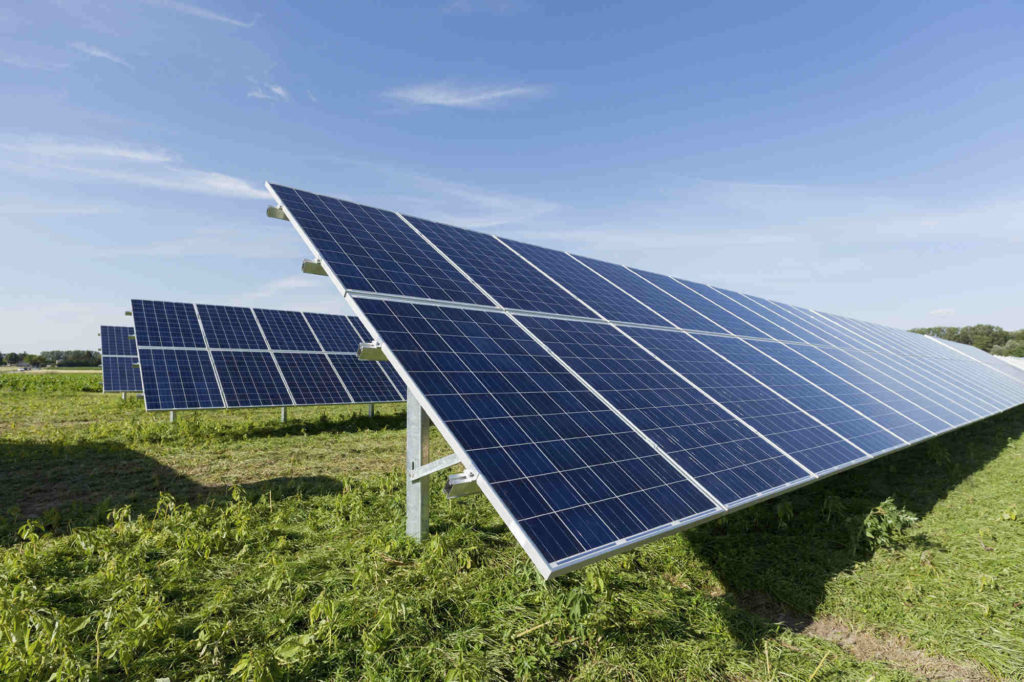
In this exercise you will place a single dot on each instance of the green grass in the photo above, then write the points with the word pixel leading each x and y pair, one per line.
pixel 258 550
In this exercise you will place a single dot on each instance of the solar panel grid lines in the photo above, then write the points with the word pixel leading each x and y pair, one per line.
pixel 267 397
pixel 607 300
pixel 683 433
pixel 857 369
pixel 803 439
pixel 253 375
pixel 117 341
pixel 733 301
pixel 372 250
pixel 497 270
pixel 335 332
pixel 817 394
pixel 922 377
pixel 828 374
pixel 820 402
pixel 670 309
pixel 727 320
pixel 1000 364
pixel 586 470
pixel 209 352
pixel 119 360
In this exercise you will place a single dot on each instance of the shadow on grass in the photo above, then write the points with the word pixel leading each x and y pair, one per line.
pixel 76 485
pixel 310 427
pixel 777 559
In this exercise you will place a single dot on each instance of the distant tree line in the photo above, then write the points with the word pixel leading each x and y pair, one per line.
pixel 60 358
pixel 988 337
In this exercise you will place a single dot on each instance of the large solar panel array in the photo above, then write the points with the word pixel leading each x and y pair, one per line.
pixel 120 360
pixel 602 405
pixel 197 356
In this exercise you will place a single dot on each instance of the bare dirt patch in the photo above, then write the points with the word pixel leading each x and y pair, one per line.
pixel 868 646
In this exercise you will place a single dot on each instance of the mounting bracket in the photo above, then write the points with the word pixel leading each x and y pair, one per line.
pixel 460 485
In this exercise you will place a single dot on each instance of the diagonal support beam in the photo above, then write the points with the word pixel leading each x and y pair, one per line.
pixel 433 467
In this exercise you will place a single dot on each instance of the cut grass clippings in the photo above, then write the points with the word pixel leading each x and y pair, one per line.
pixel 229 546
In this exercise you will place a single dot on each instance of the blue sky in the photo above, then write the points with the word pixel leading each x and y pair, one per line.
pixel 864 159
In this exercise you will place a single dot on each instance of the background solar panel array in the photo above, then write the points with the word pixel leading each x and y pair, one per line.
pixel 120 359
pixel 196 356
pixel 603 405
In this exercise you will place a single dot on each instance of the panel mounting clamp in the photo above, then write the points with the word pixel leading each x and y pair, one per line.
pixel 461 485
pixel 276 212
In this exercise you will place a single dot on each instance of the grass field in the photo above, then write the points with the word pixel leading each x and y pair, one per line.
pixel 230 546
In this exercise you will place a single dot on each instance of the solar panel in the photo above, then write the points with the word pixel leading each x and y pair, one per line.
pixel 254 358
pixel 119 360
pixel 601 405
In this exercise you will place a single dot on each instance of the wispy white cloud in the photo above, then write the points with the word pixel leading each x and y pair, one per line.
pixel 115 162
pixel 100 53
pixel 312 97
pixel 271 91
pixel 28 63
pixel 469 97
pixel 69 149
pixel 942 312
pixel 201 12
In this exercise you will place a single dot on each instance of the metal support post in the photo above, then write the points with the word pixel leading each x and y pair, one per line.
pixel 172 416
pixel 369 411
pixel 124 396
pixel 417 452
pixel 284 414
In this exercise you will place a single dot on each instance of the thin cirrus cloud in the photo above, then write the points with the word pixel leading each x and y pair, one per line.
pixel 202 13
pixel 269 91
pixel 100 53
pixel 36 64
pixel 114 162
pixel 463 97
pixel 942 312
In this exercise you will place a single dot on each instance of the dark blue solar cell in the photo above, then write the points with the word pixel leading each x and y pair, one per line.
pixel 501 273
pixel 121 374
pixel 589 287
pixel 680 314
pixel 117 341
pixel 178 379
pixel 951 378
pixel 167 325
pixel 250 379
pixel 823 395
pixel 706 307
pixel 858 368
pixel 286 330
pixel 836 334
pixel 732 301
pixel 685 423
pixel 365 380
pixel 230 327
pixel 312 379
pixel 924 380
pixel 336 333
pixel 796 433
pixel 781 318
pixel 373 250
pixel 986 359
pixel 550 449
